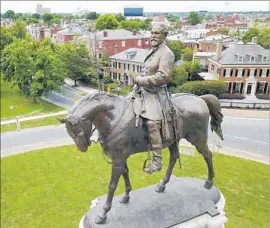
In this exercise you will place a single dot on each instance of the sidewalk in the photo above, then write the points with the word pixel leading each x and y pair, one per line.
pixel 246 113
pixel 34 117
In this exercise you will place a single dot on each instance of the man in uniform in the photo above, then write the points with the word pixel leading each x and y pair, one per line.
pixel 151 86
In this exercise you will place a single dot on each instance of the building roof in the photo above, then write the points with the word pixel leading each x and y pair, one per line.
pixel 116 34
pixel 132 55
pixel 231 55
pixel 71 31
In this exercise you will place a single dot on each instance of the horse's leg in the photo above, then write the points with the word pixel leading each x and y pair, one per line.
pixel 174 154
pixel 125 175
pixel 117 170
pixel 203 149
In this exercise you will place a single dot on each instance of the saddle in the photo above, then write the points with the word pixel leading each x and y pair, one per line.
pixel 175 122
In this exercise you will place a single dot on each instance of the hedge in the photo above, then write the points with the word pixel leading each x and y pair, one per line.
pixel 202 87
pixel 232 96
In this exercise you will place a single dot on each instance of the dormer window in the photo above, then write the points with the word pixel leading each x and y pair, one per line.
pixel 264 59
pixel 252 59
pixel 240 58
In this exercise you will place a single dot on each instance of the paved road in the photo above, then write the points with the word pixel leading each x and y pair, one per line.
pixel 250 135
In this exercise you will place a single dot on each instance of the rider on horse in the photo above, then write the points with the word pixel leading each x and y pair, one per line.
pixel 151 87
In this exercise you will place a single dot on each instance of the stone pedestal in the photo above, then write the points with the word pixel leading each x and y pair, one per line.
pixel 185 203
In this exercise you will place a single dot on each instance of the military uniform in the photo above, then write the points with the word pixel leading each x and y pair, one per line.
pixel 151 88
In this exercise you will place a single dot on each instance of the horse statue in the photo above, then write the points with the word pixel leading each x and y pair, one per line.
pixel 114 118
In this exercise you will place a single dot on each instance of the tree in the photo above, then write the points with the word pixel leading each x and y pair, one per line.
pixel 36 15
pixel 188 54
pixel 77 60
pixel 119 17
pixel 18 29
pixel 18 16
pixel 47 18
pixel 5 37
pixel 131 25
pixel 107 21
pixel 195 67
pixel 264 38
pixel 179 76
pixel 224 31
pixel 146 24
pixel 9 14
pixel 172 18
pixel 91 16
pixel 34 66
pixel 176 47
pixel 194 18
pixel 252 32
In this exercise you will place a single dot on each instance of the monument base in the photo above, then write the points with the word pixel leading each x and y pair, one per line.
pixel 185 203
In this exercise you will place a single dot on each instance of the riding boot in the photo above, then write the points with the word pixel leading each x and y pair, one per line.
pixel 156 146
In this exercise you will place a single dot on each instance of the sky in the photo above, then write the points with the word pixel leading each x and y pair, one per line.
pixel 149 6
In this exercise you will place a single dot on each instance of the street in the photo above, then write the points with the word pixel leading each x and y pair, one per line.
pixel 250 135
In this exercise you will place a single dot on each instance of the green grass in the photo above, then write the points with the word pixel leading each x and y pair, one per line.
pixel 54 187
pixel 32 123
pixel 22 104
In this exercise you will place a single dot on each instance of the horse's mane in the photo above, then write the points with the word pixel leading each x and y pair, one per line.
pixel 99 95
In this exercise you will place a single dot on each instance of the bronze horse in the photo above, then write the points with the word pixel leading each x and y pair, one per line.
pixel 114 119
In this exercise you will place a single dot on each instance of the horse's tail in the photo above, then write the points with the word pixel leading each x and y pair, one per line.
pixel 215 113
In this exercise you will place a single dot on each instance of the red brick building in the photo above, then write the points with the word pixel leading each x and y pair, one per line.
pixel 111 42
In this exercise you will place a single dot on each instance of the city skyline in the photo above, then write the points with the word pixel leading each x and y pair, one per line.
pixel 117 6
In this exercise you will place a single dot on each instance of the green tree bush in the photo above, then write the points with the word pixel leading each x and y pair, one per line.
pixel 203 87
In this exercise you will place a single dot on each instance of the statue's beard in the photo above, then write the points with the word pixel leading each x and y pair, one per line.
pixel 155 43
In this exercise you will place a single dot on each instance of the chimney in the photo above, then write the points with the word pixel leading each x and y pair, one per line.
pixel 134 33
pixel 218 50
pixel 254 39
pixel 105 33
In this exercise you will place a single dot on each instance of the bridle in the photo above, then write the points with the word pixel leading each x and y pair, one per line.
pixel 84 130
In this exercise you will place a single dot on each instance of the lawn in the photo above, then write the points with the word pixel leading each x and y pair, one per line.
pixel 54 187
pixel 32 123
pixel 22 105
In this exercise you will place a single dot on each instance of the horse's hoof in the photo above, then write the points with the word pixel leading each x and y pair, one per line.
pixel 125 199
pixel 100 219
pixel 208 184
pixel 160 188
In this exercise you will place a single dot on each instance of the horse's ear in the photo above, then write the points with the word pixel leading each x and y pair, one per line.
pixel 61 120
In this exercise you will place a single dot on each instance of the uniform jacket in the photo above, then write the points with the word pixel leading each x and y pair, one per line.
pixel 151 84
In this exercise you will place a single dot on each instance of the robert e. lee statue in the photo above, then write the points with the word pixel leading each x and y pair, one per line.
pixel 151 87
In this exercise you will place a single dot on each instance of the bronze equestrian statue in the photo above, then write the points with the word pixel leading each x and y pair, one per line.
pixel 115 120
pixel 151 92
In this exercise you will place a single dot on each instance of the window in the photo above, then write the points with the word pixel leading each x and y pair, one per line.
pixel 100 44
pixel 139 42
pixel 227 72
pixel 146 42
pixel 237 87
pixel 123 43
pixel 138 69
pixel 264 59
pixel 263 72
pixel 252 59
pixel 128 66
pixel 240 73
pixel 99 56
pixel 240 58
pixel 119 65
pixel 134 68
pixel 124 66
pixel 212 67
pixel 114 75
pixel 228 87
pixel 114 64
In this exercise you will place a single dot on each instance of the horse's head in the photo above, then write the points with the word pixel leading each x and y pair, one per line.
pixel 79 130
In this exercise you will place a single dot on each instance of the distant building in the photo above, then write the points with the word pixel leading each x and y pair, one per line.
pixel 110 42
pixel 244 67
pixel 127 64
pixel 40 10
pixel 133 11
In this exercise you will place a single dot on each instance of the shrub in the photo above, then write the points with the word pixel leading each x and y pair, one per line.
pixel 233 96
pixel 202 87
pixel 263 96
